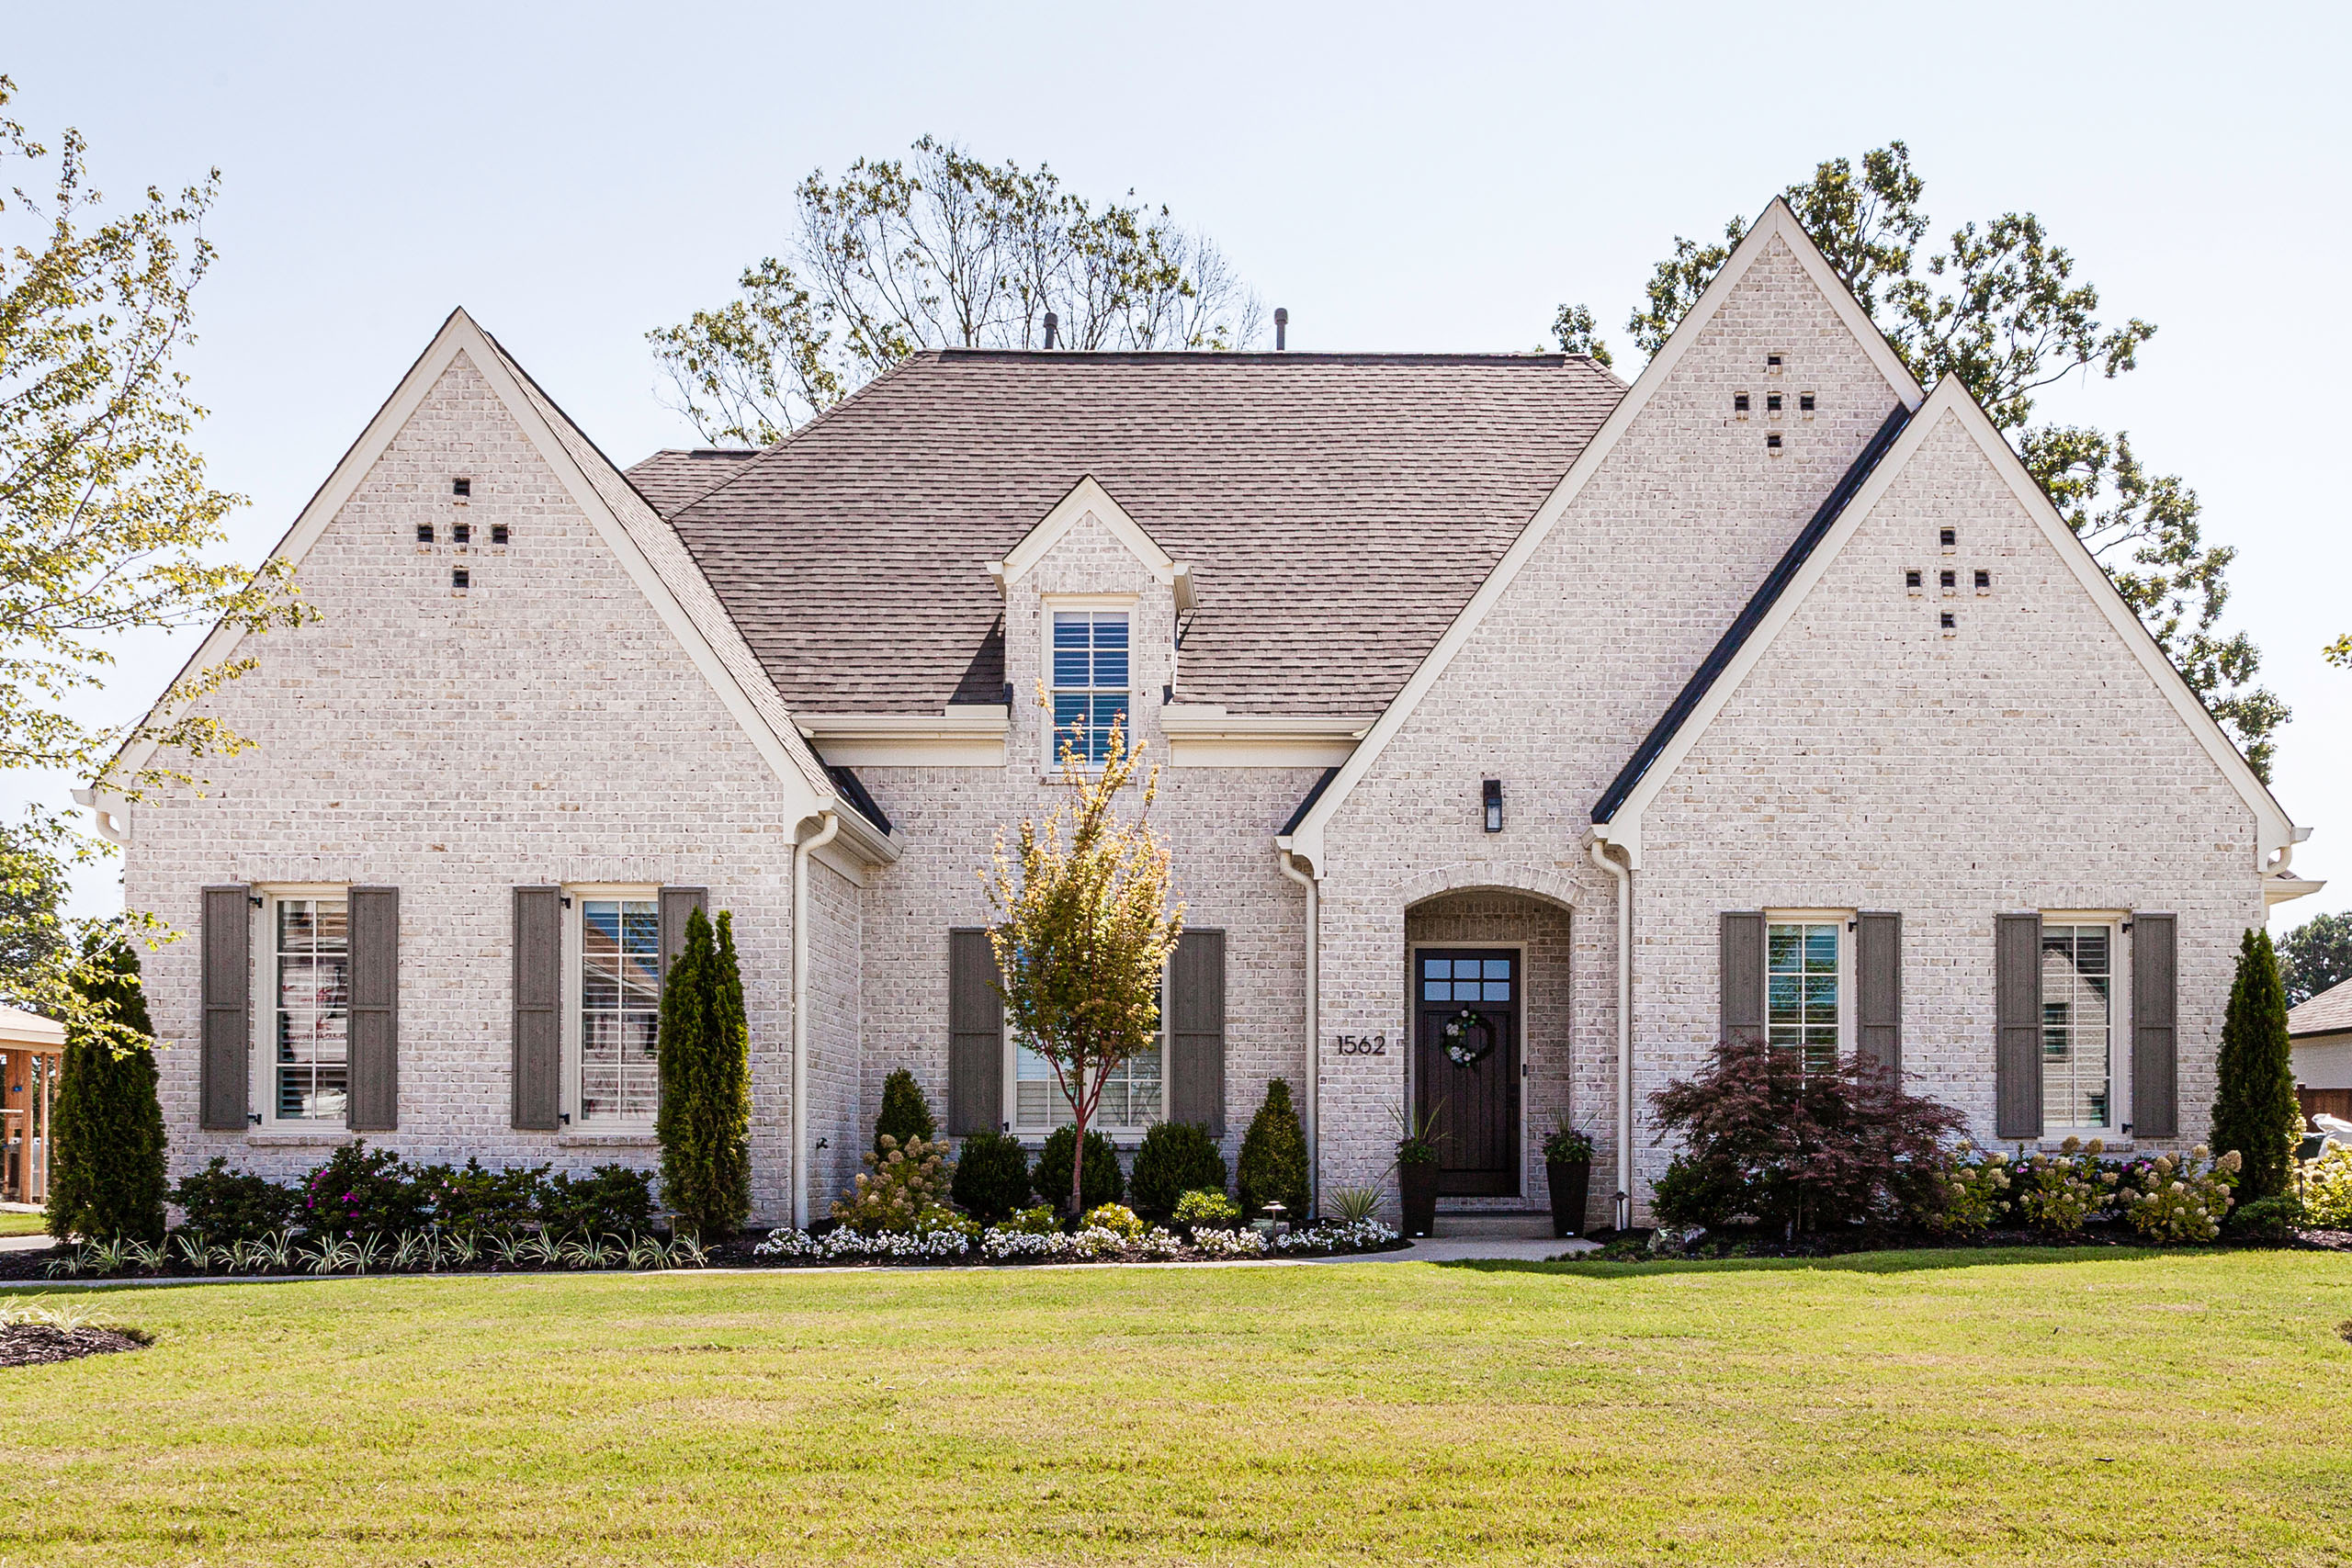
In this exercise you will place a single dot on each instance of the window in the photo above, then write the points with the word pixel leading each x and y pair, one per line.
pixel 1466 979
pixel 1131 1098
pixel 1090 680
pixel 2077 992
pixel 1803 969
pixel 617 1008
pixel 310 1012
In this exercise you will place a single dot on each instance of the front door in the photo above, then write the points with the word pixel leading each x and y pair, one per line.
pixel 1465 1065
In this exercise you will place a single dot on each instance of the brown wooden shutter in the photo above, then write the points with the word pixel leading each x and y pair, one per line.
pixel 1193 1072
pixel 539 1008
pixel 374 1040
pixel 677 905
pixel 975 1036
pixel 1878 986
pixel 2016 1026
pixel 2155 985
pixel 1740 966
pixel 224 1069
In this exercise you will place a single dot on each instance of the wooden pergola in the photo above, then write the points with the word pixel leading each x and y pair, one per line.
pixel 32 1050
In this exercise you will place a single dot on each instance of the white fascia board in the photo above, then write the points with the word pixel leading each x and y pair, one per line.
pixel 1777 221
pixel 962 737
pixel 1088 496
pixel 1203 736
pixel 2274 829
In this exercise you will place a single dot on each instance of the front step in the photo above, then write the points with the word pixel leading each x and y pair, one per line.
pixel 1518 1224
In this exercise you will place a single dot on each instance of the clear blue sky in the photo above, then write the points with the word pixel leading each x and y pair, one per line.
pixel 1404 177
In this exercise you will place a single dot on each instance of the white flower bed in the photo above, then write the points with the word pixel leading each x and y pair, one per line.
pixel 1363 1235
pixel 1230 1243
pixel 1095 1243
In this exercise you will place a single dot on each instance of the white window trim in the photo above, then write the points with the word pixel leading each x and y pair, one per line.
pixel 262 943
pixel 575 894
pixel 1845 921
pixel 1122 1134
pixel 1047 604
pixel 2119 1031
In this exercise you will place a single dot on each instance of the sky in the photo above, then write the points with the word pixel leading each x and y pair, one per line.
pixel 1399 177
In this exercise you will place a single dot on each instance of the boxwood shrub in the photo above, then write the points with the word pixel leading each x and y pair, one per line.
pixel 1103 1182
pixel 1176 1158
pixel 992 1176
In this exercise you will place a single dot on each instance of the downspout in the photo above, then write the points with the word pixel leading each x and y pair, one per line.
pixel 1625 878
pixel 801 849
pixel 1314 1057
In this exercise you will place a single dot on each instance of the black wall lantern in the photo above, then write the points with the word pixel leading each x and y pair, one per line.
pixel 1493 795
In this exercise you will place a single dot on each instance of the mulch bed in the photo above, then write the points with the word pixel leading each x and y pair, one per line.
pixel 34 1344
pixel 1743 1242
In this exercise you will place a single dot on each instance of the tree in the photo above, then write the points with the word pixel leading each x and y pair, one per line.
pixel 2315 956
pixel 33 939
pixel 1273 1167
pixel 704 1120
pixel 937 251
pixel 1999 307
pixel 107 1175
pixel 1084 932
pixel 905 1113
pixel 2255 1108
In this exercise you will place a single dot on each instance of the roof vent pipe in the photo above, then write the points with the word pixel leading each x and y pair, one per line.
pixel 1282 328
pixel 1053 330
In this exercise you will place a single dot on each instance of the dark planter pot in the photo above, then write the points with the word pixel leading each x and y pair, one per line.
pixel 1571 1184
pixel 1417 1186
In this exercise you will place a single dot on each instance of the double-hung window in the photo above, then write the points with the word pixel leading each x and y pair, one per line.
pixel 1133 1097
pixel 1090 689
pixel 1805 986
pixel 308 960
pixel 2077 1019
pixel 615 1006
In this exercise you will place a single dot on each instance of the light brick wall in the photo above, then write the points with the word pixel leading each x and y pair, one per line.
pixel 544 727
pixel 1871 761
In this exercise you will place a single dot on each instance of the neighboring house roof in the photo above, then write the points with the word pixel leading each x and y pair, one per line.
pixel 1750 617
pixel 2330 1012
pixel 1327 502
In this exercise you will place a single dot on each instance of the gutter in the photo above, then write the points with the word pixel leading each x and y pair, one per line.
pixel 108 816
pixel 801 851
pixel 1313 883
pixel 1625 879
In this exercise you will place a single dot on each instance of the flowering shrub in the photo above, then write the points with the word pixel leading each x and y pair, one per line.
pixel 1230 1243
pixel 1116 1218
pixel 1203 1209
pixel 1039 1221
pixel 2169 1202
pixel 1000 1244
pixel 2325 1186
pixel 1354 1235
pixel 897 1186
pixel 2064 1192
pixel 935 1245
pixel 1970 1194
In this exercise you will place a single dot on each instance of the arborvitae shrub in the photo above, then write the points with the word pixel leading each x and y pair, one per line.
pixel 992 1176
pixel 1273 1157
pixel 108 1179
pixel 905 1115
pixel 2254 1109
pixel 704 1124
pixel 1176 1158
pixel 1103 1184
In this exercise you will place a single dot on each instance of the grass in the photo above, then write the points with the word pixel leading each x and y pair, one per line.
pixel 1902 1409
pixel 16 1224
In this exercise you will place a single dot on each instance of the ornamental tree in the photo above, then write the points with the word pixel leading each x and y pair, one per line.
pixel 1084 932
pixel 705 1121
pixel 2255 1108
pixel 108 1179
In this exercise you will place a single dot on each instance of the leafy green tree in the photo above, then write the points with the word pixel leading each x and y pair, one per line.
pixel 1083 933
pixel 1273 1157
pixel 2315 956
pixel 905 1113
pixel 704 1124
pixel 34 942
pixel 107 1175
pixel 1999 307
pixel 2254 1109
pixel 940 251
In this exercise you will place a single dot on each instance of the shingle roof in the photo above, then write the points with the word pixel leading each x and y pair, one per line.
pixel 1336 510
pixel 671 477
pixel 2329 1012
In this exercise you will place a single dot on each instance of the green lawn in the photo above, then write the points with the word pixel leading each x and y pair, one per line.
pixel 2007 1407
pixel 13 1223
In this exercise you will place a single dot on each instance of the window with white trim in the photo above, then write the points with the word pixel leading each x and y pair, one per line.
pixel 308 954
pixel 1091 687
pixel 615 1013
pixel 1133 1095
pixel 1804 986
pixel 2077 1025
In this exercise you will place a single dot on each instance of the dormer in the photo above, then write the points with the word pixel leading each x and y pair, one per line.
pixel 1092 610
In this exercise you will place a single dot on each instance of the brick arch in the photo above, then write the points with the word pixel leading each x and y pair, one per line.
pixel 1551 887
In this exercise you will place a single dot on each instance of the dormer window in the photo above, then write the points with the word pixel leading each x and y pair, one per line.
pixel 1090 691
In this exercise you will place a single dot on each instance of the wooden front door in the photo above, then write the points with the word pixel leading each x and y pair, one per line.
pixel 1465 1065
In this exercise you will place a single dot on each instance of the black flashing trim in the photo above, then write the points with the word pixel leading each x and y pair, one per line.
pixel 1309 803
pixel 855 794
pixel 1750 617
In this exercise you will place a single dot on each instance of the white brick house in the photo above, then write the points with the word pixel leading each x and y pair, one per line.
pixel 1767 694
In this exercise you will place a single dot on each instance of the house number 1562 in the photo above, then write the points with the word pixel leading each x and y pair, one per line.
pixel 1364 1044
